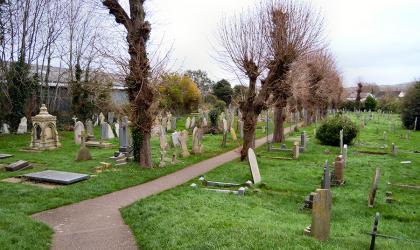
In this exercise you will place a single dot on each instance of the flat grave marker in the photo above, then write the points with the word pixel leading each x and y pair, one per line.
pixel 59 177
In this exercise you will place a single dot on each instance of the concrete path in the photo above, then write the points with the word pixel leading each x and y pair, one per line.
pixel 97 223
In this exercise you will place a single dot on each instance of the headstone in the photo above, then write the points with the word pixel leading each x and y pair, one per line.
pixel 233 134
pixel 394 149
pixel 192 122
pixel 104 131
pixel 164 123
pixel 205 123
pixel 415 124
pixel 59 177
pixel 117 129
pixel 197 138
pixel 110 132
pixel 188 123
pixel 124 135
pixel 321 214
pixel 375 182
pixel 173 121
pixel 17 166
pixel 341 141
pixel 111 117
pixel 83 154
pixel 5 129
pixel 326 178
pixel 339 170
pixel 96 121
pixel 89 127
pixel 169 122
pixel 255 171
pixel 101 118
pixel 296 150
pixel 175 139
pixel 79 128
pixel 162 138
pixel 345 149
pixel 385 136
pixel 225 125
pixel 183 138
pixel 23 126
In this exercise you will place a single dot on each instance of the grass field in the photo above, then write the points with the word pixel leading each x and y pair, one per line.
pixel 17 201
pixel 269 215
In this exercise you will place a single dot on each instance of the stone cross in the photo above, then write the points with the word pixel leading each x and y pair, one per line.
pixel 321 214
pixel 372 193
pixel 183 138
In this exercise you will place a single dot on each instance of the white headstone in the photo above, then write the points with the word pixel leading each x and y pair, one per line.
pixel 101 118
pixel 5 129
pixel 79 128
pixel 188 123
pixel 117 129
pixel 225 125
pixel 175 139
pixel 192 122
pixel 255 171
pixel 110 132
pixel 23 126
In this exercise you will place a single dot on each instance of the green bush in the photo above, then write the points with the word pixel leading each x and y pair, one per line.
pixel 329 132
pixel 370 103
pixel 411 107
pixel 220 106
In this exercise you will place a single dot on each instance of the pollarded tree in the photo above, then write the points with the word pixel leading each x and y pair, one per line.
pixel 294 31
pixel 140 91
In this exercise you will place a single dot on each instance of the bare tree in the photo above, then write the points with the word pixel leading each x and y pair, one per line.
pixel 141 93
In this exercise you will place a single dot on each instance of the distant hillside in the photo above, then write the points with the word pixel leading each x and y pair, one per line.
pixel 400 87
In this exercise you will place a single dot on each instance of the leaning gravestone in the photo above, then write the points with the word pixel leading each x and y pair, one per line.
pixel 183 138
pixel 59 177
pixel 372 193
pixel 79 128
pixel 253 164
pixel 23 126
pixel 110 132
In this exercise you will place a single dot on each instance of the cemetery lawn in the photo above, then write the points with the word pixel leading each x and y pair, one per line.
pixel 18 201
pixel 269 215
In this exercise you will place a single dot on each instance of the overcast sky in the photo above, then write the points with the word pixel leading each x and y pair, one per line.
pixel 372 40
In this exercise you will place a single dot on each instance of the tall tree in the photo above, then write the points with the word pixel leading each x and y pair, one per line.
pixel 140 91
pixel 358 93
pixel 200 77
pixel 223 91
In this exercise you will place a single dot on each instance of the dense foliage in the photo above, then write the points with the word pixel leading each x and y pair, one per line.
pixel 223 91
pixel 329 131
pixel 370 103
pixel 179 94
pixel 411 107
pixel 21 86
pixel 201 79
pixel 82 104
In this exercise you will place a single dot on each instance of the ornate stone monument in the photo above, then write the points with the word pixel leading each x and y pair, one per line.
pixel 44 131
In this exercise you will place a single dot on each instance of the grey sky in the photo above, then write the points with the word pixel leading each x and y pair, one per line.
pixel 373 40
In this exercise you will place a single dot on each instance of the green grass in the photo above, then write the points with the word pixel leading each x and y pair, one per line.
pixel 269 216
pixel 17 201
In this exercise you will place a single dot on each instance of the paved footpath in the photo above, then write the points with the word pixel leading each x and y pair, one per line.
pixel 97 223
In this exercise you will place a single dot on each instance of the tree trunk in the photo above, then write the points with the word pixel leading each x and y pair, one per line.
pixel 141 142
pixel 279 118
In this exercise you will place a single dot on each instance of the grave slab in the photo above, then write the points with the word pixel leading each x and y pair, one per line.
pixel 4 156
pixel 60 177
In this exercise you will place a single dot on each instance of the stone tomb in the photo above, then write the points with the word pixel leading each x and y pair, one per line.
pixel 44 131
pixel 253 164
pixel 18 166
pixel 59 177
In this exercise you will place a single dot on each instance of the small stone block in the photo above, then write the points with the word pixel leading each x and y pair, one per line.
pixel 17 166
pixel 193 185
pixel 241 191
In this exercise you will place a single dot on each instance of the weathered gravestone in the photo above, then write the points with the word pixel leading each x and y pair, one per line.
pixel 169 121
pixel 197 138
pixel 188 123
pixel 79 128
pixel 83 154
pixel 183 138
pixel 175 139
pixel 4 156
pixel 326 178
pixel 241 128
pixel 111 117
pixel 338 176
pixel 89 131
pixel 104 131
pixel 233 134
pixel 321 214
pixel 117 129
pixel 59 177
pixel 162 138
pixel 345 149
pixel 296 150
pixel 225 131
pixel 341 141
pixel 110 132
pixel 253 164
pixel 23 126
pixel 18 166
pixel 173 121
pixel 192 125
pixel 5 129
pixel 394 149
pixel 101 118
pixel 375 182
